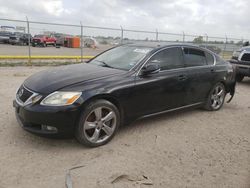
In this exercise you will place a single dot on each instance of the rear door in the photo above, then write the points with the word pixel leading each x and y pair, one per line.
pixel 200 71
pixel 163 90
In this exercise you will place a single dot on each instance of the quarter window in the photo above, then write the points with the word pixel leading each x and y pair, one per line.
pixel 210 58
pixel 170 58
pixel 194 57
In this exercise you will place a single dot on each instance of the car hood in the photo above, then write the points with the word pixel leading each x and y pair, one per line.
pixel 246 48
pixel 54 79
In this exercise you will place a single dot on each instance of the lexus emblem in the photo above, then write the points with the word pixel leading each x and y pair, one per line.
pixel 20 92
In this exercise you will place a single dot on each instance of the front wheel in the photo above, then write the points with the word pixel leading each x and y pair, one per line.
pixel 98 123
pixel 216 97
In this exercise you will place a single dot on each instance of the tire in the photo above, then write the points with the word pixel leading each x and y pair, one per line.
pixel 239 77
pixel 98 123
pixel 216 99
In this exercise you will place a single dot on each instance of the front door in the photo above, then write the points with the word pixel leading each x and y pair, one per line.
pixel 163 90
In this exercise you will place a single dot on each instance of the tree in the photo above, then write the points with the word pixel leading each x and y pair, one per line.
pixel 198 40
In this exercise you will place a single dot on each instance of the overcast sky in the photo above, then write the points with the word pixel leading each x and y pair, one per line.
pixel 214 17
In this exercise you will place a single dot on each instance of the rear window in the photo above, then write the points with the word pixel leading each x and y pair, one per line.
pixel 194 57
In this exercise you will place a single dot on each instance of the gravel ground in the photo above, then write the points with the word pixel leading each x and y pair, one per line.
pixel 192 148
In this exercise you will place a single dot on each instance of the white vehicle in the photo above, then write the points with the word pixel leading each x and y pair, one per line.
pixel 241 59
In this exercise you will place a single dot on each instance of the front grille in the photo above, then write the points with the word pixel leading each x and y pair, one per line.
pixel 245 57
pixel 13 38
pixel 23 94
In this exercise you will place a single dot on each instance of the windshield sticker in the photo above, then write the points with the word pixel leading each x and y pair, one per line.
pixel 140 50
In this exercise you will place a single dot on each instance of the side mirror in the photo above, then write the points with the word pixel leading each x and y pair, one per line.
pixel 150 68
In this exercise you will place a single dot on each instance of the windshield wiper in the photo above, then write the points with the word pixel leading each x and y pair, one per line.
pixel 104 64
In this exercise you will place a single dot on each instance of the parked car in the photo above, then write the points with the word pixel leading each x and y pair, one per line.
pixel 60 39
pixel 4 37
pixel 20 38
pixel 128 82
pixel 90 42
pixel 241 59
pixel 43 40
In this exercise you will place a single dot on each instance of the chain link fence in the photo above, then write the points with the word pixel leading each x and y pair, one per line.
pixel 93 40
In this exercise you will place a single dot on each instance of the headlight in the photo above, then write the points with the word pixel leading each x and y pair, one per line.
pixel 61 98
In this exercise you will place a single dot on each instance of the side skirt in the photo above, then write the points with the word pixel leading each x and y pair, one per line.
pixel 171 110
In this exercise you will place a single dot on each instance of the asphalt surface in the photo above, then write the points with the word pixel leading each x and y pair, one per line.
pixel 7 49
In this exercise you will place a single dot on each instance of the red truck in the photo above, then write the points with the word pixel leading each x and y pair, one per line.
pixel 43 40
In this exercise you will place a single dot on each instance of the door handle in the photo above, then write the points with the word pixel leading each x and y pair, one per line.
pixel 212 70
pixel 182 77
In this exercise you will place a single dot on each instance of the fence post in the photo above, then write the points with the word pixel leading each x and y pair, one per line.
pixel 225 46
pixel 121 34
pixel 28 28
pixel 183 36
pixel 81 41
pixel 206 40
pixel 156 37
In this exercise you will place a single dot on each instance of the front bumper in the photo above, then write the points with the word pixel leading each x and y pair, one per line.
pixel 33 118
pixel 242 68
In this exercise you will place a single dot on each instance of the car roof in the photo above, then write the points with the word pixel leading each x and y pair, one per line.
pixel 159 45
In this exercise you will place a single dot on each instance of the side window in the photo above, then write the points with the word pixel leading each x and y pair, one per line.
pixel 170 58
pixel 210 58
pixel 194 57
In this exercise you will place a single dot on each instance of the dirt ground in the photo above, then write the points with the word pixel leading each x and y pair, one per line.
pixel 194 148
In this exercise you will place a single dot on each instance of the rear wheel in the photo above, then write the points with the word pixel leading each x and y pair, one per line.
pixel 216 98
pixel 239 77
pixel 98 123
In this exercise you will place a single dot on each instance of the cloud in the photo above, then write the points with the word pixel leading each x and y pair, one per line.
pixel 200 17
pixel 34 9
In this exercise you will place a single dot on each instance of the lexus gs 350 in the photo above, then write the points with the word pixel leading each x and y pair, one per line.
pixel 91 100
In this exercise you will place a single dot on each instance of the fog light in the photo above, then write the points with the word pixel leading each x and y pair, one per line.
pixel 49 128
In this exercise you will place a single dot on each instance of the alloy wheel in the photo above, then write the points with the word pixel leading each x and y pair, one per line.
pixel 217 97
pixel 100 125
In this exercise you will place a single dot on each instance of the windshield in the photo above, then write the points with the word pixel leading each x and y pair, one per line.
pixel 122 57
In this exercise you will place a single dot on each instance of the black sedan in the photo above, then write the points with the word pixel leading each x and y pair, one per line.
pixel 93 99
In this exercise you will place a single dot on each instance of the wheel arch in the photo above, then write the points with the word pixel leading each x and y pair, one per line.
pixel 220 81
pixel 109 98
